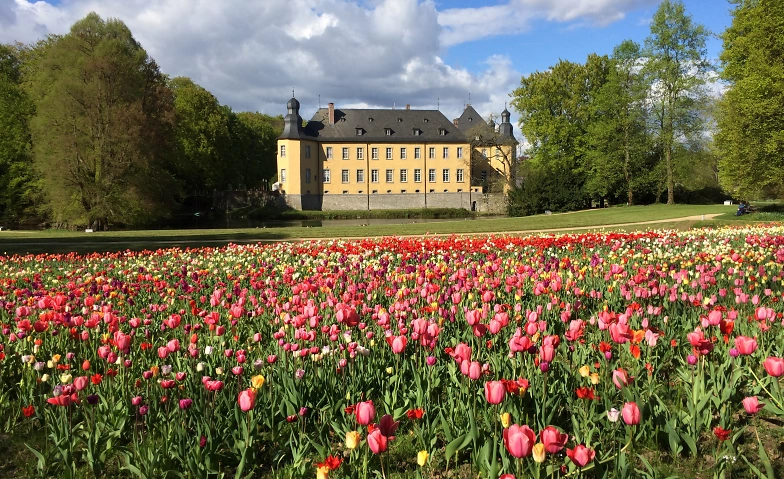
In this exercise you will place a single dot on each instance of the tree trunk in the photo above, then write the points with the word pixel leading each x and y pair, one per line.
pixel 626 174
pixel 670 179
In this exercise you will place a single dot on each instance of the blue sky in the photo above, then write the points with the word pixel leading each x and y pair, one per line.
pixel 362 53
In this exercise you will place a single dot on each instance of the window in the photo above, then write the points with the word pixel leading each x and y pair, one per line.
pixel 307 175
pixel 431 153
pixel 417 131
pixel 484 152
pixel 446 152
pixel 417 175
pixel 327 176
pixel 417 153
pixel 402 191
pixel 360 153
pixel 403 176
pixel 459 176
pixel 329 152
pixel 389 153
pixel 388 131
pixel 390 177
pixel 442 132
pixel 374 153
pixel 484 175
pixel 497 152
pixel 282 151
pixel 403 153
pixel 360 176
pixel 345 153
pixel 359 131
pixel 375 192
pixel 459 151
pixel 431 175
pixel 445 175
pixel 345 192
pixel 283 175
pixel 374 176
pixel 344 176
pixel 307 151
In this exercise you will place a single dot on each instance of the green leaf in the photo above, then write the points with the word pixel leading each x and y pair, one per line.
pixel 453 447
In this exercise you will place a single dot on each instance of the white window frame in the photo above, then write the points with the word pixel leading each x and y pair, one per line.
pixel 329 152
pixel 374 153
pixel 431 153
pixel 431 175
pixel 361 176
pixel 360 153
pixel 402 152
pixel 459 151
pixel 389 153
pixel 446 152
pixel 283 175
pixel 460 176
pixel 327 175
pixel 345 176
pixel 484 152
pixel 417 153
pixel 374 176
pixel 445 175
pixel 390 175
pixel 417 175
pixel 404 176
pixel 345 153
pixel 282 151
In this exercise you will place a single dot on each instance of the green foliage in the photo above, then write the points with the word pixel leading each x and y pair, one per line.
pixel 254 147
pixel 543 189
pixel 17 182
pixel 103 127
pixel 750 134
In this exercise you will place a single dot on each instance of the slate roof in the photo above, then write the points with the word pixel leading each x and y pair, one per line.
pixel 373 124
pixel 470 118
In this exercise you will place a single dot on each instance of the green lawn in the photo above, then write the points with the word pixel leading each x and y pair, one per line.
pixel 59 241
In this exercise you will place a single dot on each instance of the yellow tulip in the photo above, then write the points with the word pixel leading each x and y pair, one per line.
pixel 55 358
pixel 65 378
pixel 539 453
pixel 506 419
pixel 322 472
pixel 257 381
pixel 422 457
pixel 390 370
pixel 585 371
pixel 595 378
pixel 352 439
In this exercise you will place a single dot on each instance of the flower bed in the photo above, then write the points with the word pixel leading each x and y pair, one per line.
pixel 541 356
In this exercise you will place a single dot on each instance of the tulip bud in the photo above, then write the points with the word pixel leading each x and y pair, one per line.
pixel 539 452
pixel 352 439
pixel 506 419
pixel 422 457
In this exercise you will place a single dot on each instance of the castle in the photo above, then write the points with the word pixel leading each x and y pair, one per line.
pixel 364 159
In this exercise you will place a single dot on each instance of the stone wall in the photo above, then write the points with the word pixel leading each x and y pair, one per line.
pixel 486 203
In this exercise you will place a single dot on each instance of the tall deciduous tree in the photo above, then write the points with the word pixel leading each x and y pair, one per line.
pixel 676 61
pixel 254 146
pixel 103 127
pixel 17 179
pixel 618 144
pixel 750 135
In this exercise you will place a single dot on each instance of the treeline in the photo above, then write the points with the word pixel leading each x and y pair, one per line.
pixel 634 127
pixel 94 134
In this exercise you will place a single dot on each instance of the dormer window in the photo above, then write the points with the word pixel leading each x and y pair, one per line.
pixel 470 119
pixel 360 131
pixel 370 120
pixel 388 131
pixel 400 120
pixel 442 132
pixel 424 120
pixel 417 132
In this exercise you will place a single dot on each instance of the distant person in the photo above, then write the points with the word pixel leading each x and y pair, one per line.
pixel 741 209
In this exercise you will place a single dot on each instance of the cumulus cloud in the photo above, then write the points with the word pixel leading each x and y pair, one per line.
pixel 370 53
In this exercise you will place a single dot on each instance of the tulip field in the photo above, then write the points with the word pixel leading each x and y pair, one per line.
pixel 648 354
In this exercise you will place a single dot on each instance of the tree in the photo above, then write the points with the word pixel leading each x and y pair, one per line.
pixel 254 146
pixel 676 62
pixel 750 136
pixel 103 127
pixel 203 138
pixel 17 181
pixel 617 137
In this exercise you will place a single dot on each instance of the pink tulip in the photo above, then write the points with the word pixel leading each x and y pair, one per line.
pixel 247 399
pixel 581 455
pixel 377 442
pixel 80 383
pixel 752 405
pixel 519 440
pixel 631 414
pixel 745 345
pixel 620 378
pixel 774 366
pixel 213 385
pixel 547 353
pixel 553 439
pixel 365 412
pixel 475 370
pixel 399 344
pixel 494 392
pixel 173 346
pixel 163 351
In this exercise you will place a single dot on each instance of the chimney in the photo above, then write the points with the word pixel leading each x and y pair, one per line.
pixel 455 122
pixel 408 106
pixel 331 113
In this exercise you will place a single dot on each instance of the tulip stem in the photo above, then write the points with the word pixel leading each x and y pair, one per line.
pixel 775 383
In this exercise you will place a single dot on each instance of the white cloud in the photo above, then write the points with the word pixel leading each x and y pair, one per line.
pixel 372 53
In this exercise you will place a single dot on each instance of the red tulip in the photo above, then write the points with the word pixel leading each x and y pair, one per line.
pixel 553 439
pixel 519 440
pixel 495 392
pixel 581 455
pixel 388 425
pixel 631 413
pixel 377 442
pixel 745 345
pixel 365 412
pixel 210 385
pixel 752 405
pixel 247 399
pixel 774 366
